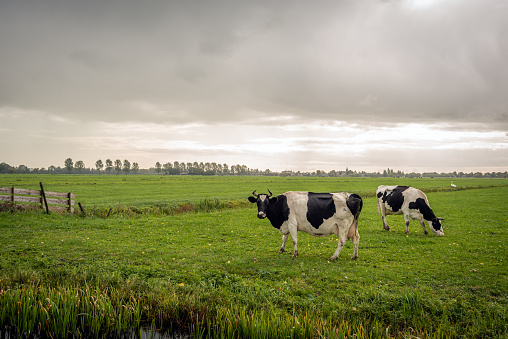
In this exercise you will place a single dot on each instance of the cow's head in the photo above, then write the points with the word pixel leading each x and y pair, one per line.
pixel 436 227
pixel 263 200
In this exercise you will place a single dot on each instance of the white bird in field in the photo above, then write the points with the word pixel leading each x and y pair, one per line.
pixel 453 185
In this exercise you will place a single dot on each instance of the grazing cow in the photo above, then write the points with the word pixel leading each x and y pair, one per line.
pixel 319 214
pixel 410 202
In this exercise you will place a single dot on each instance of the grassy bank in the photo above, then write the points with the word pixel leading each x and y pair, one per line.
pixel 168 195
pixel 218 272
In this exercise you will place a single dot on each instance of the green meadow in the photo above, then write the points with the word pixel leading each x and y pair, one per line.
pixel 188 254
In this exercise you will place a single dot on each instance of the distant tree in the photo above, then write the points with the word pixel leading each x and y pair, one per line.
pixel 118 166
pixel 51 169
pixel 193 168
pixel 69 164
pixel 167 168
pixel 23 169
pixel 109 166
pixel 99 165
pixel 80 165
pixel 158 167
pixel 135 167
pixel 6 168
pixel 126 166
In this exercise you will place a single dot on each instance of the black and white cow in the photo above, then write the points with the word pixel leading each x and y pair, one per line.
pixel 319 214
pixel 410 202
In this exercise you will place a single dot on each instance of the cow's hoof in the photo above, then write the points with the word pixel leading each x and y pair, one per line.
pixel 386 228
pixel 333 257
pixel 282 251
pixel 354 257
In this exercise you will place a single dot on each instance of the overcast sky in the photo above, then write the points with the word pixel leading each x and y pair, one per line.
pixel 412 85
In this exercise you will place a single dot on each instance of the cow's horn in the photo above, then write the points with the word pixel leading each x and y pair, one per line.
pixel 270 194
pixel 254 193
pixel 440 218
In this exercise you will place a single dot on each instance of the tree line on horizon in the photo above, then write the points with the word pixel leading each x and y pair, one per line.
pixel 194 168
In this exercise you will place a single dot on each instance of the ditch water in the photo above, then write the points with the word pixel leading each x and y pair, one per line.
pixel 142 333
pixel 150 334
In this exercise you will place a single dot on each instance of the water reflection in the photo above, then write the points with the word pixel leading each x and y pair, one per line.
pixel 8 332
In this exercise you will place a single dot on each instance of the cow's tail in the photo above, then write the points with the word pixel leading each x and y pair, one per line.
pixel 354 203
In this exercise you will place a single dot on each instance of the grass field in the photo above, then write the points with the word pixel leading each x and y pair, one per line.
pixel 215 271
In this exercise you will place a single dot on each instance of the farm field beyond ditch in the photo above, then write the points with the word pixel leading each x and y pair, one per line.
pixel 212 269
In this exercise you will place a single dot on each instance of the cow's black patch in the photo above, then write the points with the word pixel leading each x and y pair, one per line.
pixel 395 199
pixel 355 204
pixel 420 205
pixel 320 206
pixel 379 194
pixel 278 211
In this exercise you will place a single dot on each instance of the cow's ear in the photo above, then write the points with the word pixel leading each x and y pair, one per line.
pixel 273 200
pixel 253 199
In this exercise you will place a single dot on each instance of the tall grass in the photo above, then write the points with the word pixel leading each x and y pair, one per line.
pixel 59 312
pixel 200 206
pixel 63 312
pixel 238 322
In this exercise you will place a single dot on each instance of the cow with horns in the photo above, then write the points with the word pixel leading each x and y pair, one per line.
pixel 319 214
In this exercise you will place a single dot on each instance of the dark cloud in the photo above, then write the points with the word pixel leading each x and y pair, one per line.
pixel 362 63
pixel 348 60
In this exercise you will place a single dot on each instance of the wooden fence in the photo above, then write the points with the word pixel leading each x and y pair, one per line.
pixel 54 201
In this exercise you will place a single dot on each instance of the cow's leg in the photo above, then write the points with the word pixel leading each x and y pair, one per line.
pixel 422 222
pixel 385 224
pixel 356 240
pixel 342 241
pixel 382 211
pixel 284 240
pixel 406 219
pixel 351 234
pixel 294 236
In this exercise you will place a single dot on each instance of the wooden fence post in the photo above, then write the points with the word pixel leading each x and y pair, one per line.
pixel 81 208
pixel 71 209
pixel 44 197
pixel 13 201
